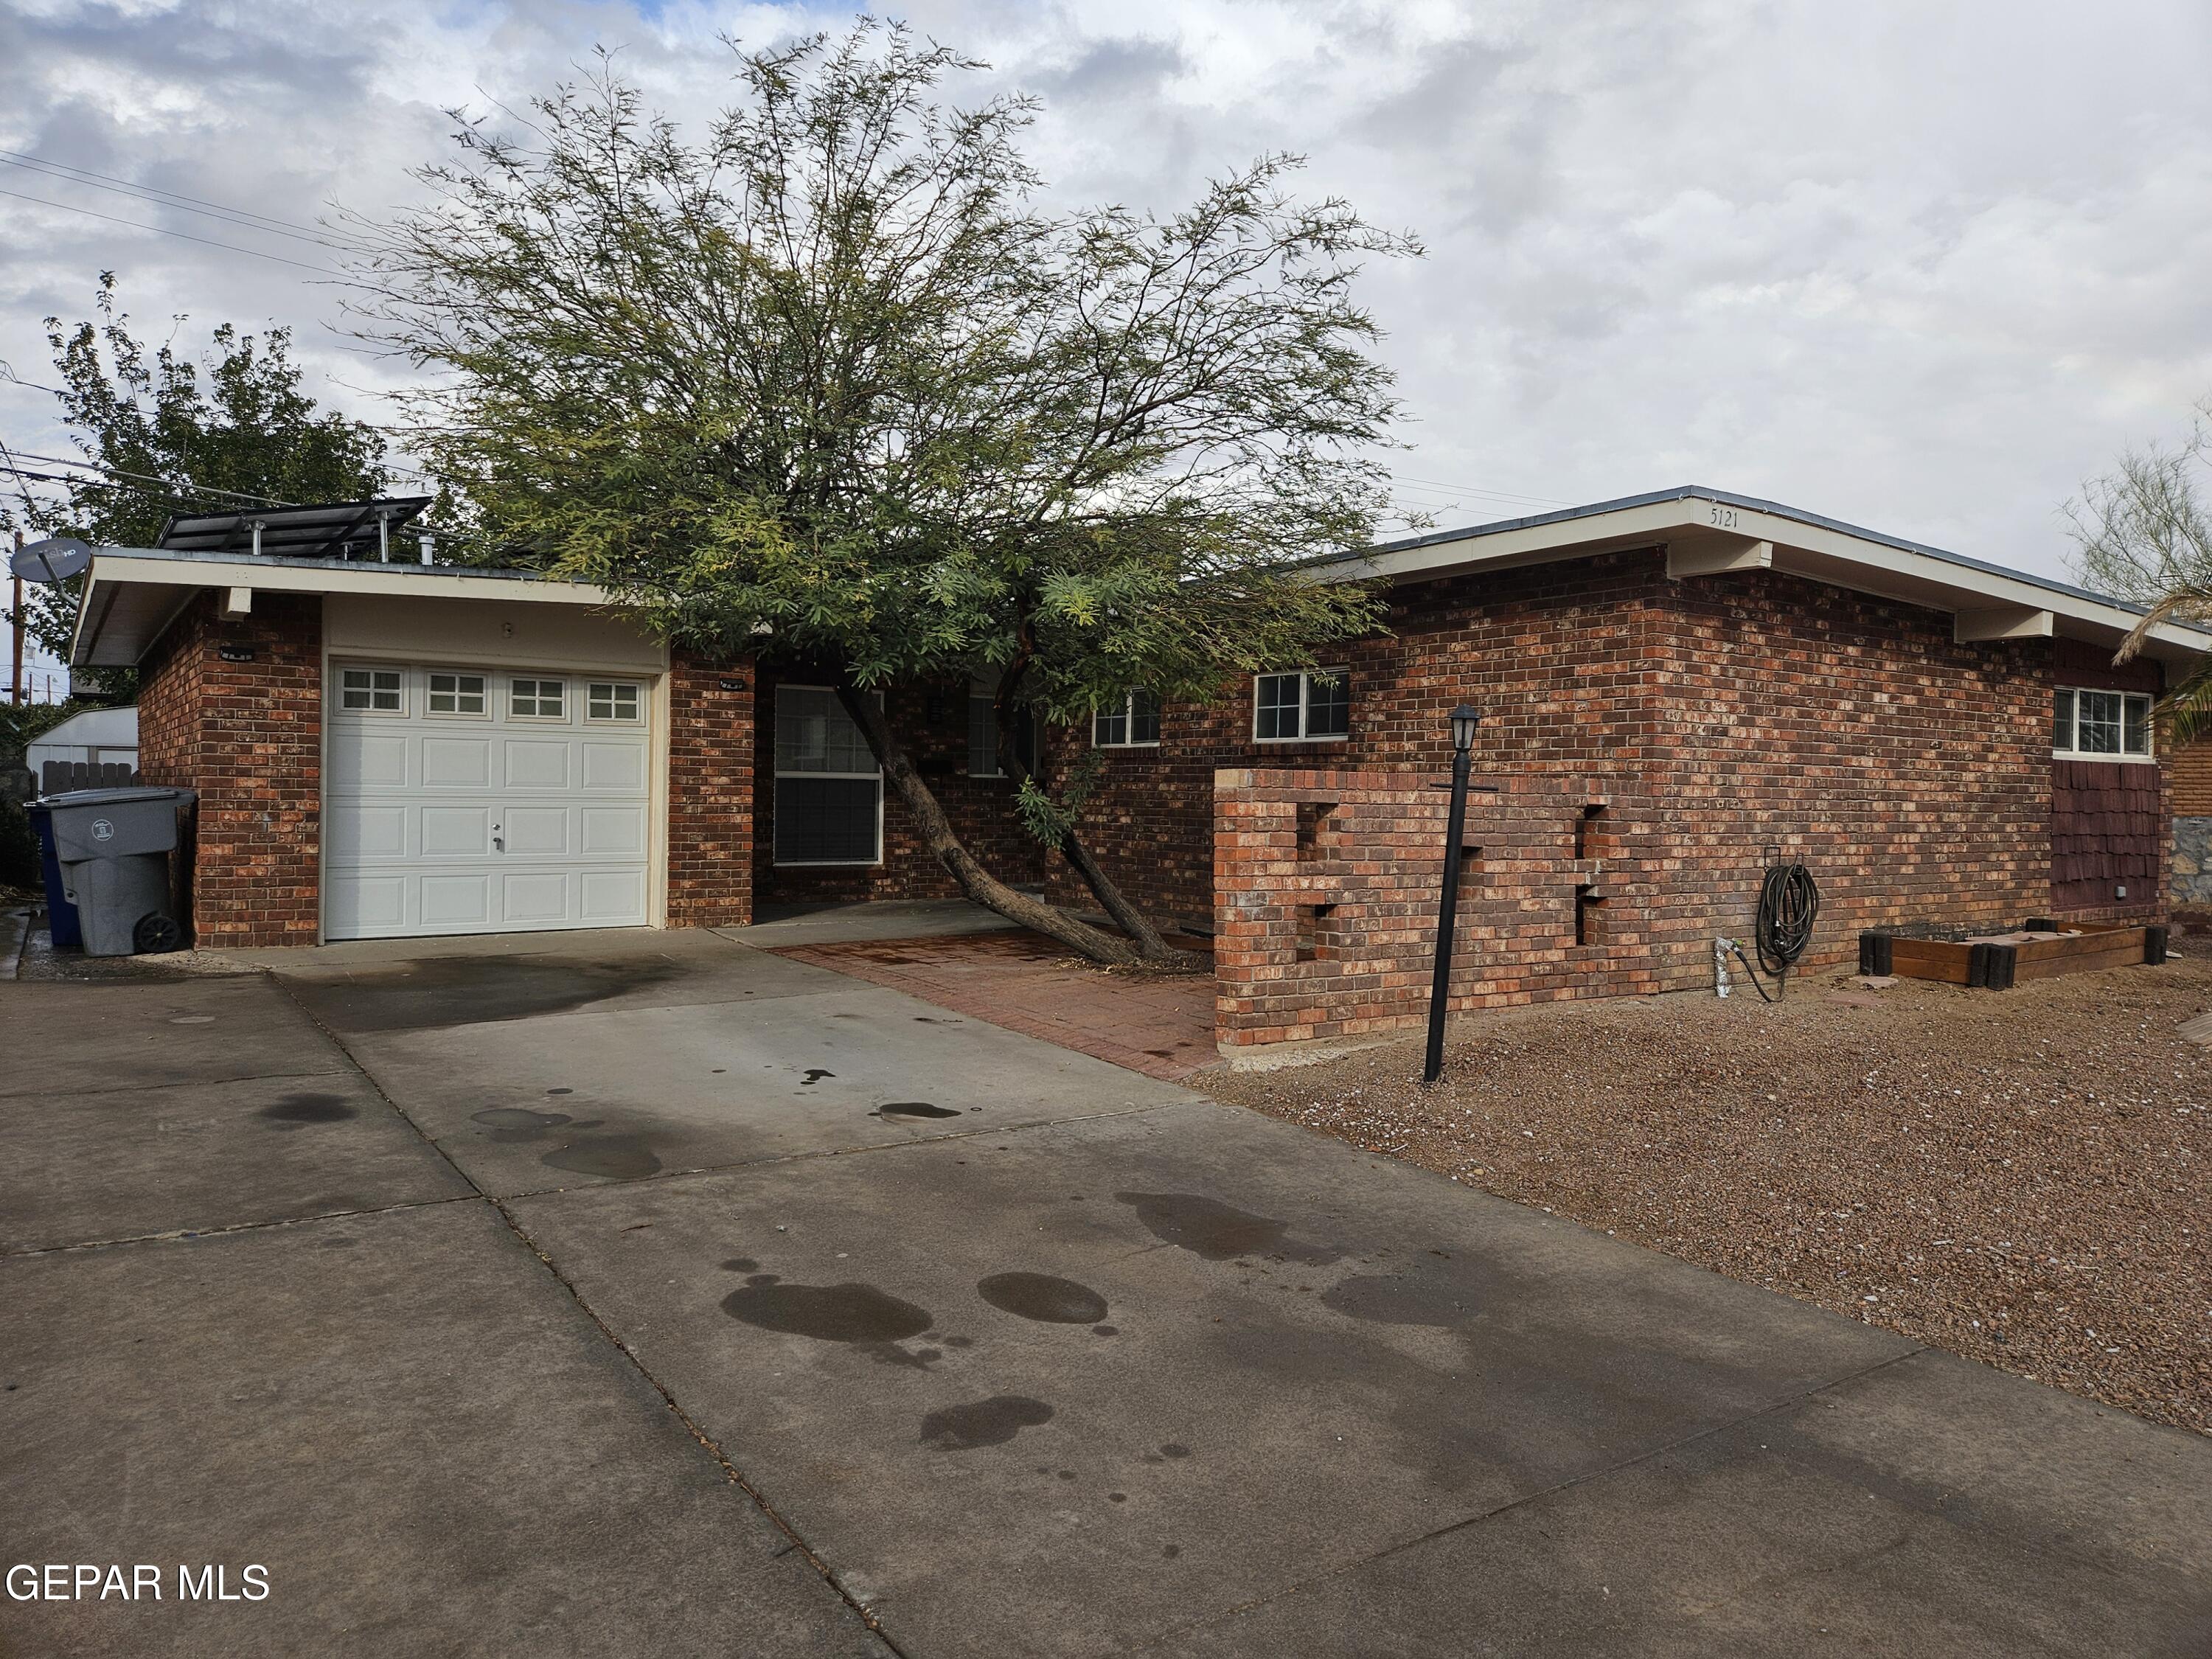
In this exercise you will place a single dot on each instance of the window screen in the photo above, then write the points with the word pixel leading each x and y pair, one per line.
pixel 536 699
pixel 1316 704
pixel 2062 720
pixel 829 792
pixel 376 690
pixel 614 701
pixel 1144 717
pixel 2096 722
pixel 457 694
pixel 1329 706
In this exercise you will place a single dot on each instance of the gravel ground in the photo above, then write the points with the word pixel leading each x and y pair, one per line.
pixel 2019 1176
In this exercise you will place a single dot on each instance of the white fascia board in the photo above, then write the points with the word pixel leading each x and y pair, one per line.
pixel 124 565
pixel 1815 551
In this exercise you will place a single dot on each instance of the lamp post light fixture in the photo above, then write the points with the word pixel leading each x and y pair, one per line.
pixel 1464 719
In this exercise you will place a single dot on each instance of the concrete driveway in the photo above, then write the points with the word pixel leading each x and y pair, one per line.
pixel 650 1293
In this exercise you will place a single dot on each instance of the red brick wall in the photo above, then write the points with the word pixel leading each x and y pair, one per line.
pixel 247 735
pixel 932 721
pixel 1560 657
pixel 710 794
pixel 1369 846
pixel 1753 711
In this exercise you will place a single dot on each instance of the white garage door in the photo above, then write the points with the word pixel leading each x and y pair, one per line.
pixel 484 800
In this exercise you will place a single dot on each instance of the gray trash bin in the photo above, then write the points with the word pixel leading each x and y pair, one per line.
pixel 113 847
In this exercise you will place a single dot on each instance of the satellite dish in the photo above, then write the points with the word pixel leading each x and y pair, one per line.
pixel 52 560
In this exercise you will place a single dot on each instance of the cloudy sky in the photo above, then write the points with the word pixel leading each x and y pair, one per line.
pixel 1921 267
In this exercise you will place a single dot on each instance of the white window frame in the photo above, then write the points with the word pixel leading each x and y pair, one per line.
pixel 613 688
pixel 2074 694
pixel 1128 716
pixel 372 671
pixel 538 682
pixel 1306 677
pixel 484 683
pixel 776 774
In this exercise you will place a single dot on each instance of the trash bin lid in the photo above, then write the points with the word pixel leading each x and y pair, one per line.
pixel 116 797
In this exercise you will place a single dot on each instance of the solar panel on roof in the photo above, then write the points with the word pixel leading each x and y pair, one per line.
pixel 329 531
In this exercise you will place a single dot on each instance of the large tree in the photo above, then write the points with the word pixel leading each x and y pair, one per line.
pixel 828 384
pixel 164 432
pixel 2145 533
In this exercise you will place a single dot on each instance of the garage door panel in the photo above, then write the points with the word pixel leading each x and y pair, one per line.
pixel 369 759
pixel 618 767
pixel 538 832
pixel 358 905
pixel 456 762
pixel 452 901
pixel 359 831
pixel 440 823
pixel 535 763
pixel 610 897
pixel 614 831
pixel 540 896
pixel 455 832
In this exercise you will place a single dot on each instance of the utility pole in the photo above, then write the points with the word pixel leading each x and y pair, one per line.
pixel 15 682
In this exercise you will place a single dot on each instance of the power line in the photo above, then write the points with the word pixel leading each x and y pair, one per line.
pixel 42 170
pixel 159 230
pixel 155 478
pixel 196 201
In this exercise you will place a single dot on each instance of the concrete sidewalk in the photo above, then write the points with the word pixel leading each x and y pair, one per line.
pixel 651 1293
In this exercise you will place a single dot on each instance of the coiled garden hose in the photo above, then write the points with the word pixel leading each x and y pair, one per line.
pixel 1789 902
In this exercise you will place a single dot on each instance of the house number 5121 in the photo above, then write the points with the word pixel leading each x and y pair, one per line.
pixel 1724 516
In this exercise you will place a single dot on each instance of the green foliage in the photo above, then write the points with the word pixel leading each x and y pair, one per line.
pixel 828 384
pixel 2145 533
pixel 169 434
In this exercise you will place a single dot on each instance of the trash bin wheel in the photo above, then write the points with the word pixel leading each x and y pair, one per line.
pixel 157 933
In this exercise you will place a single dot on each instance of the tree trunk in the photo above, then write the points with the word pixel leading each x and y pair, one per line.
pixel 977 882
pixel 1151 947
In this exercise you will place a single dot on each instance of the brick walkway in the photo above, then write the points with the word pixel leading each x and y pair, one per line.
pixel 1160 1024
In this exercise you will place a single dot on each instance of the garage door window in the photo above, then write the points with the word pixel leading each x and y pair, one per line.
pixel 542 699
pixel 457 694
pixel 616 701
pixel 829 790
pixel 373 691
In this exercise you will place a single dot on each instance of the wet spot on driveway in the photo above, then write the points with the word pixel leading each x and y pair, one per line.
pixel 306 1108
pixel 444 991
pixel 1400 1299
pixel 827 1313
pixel 1043 1297
pixel 614 1155
pixel 914 1108
pixel 1219 1233
pixel 990 1422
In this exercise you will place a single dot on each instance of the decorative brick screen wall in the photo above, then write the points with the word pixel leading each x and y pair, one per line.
pixel 1327 885
pixel 710 794
pixel 234 709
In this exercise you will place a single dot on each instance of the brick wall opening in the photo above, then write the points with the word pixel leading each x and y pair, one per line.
pixel 1316 929
pixel 1588 832
pixel 1470 868
pixel 1588 905
pixel 1315 837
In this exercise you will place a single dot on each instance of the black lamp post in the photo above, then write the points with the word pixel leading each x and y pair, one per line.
pixel 1464 719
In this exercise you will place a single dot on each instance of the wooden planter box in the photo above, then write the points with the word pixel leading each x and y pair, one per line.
pixel 1997 961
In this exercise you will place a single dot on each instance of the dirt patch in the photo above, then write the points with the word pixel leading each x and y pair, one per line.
pixel 2019 1177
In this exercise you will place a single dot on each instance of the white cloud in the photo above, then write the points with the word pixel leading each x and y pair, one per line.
pixel 1920 268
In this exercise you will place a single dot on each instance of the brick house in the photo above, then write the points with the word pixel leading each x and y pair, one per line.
pixel 1673 685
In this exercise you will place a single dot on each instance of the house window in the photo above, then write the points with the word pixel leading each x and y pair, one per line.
pixel 376 690
pixel 610 701
pixel 544 700
pixel 1313 705
pixel 829 790
pixel 2100 724
pixel 983 731
pixel 457 694
pixel 1132 723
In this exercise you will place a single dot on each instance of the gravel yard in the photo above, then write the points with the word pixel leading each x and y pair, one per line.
pixel 2019 1176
